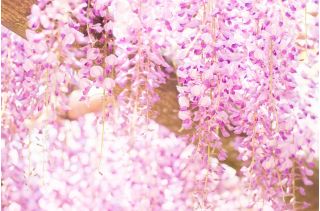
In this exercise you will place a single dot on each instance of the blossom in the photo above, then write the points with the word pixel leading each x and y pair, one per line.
pixel 183 102
pixel 205 101
pixel 96 71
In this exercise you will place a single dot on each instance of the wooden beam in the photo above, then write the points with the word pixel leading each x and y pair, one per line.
pixel 14 15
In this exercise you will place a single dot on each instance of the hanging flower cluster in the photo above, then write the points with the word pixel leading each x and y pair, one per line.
pixel 140 43
pixel 153 173
pixel 236 72
pixel 78 39
pixel 89 46
pixel 24 93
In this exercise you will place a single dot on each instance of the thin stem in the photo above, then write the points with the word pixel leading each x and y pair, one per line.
pixel 306 29
pixel 102 132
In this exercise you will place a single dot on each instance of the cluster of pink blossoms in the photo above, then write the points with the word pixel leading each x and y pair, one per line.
pixel 157 171
pixel 238 65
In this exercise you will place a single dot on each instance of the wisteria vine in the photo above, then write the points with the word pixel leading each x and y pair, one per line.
pixel 239 67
